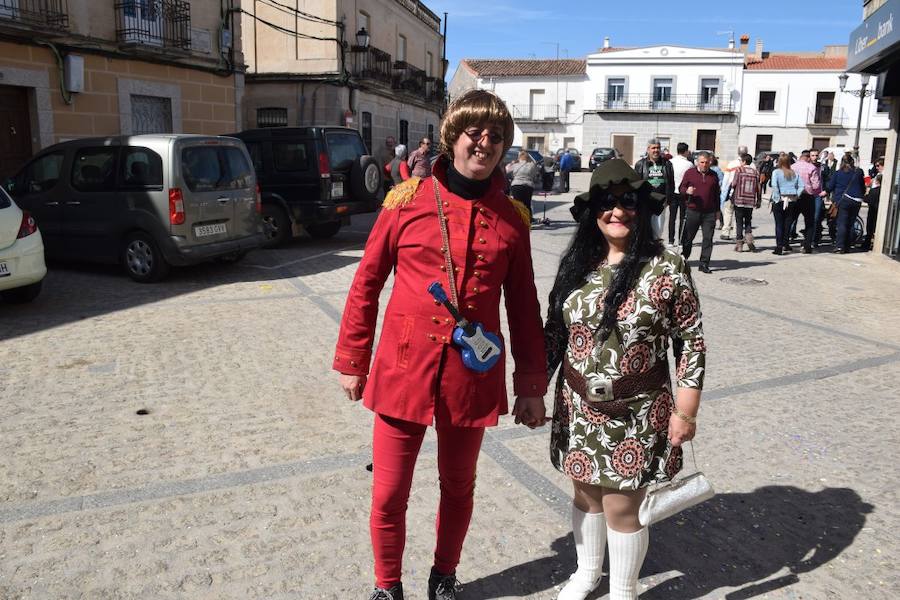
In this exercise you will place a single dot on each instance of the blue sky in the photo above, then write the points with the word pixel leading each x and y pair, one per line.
pixel 530 29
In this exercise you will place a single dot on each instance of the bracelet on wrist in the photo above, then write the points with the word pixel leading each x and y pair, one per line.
pixel 684 416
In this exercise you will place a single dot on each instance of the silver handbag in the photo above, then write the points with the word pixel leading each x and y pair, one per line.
pixel 675 496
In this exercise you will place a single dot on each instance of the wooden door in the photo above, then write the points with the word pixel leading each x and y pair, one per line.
pixel 624 145
pixel 15 130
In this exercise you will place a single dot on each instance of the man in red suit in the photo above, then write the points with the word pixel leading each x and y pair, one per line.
pixel 418 377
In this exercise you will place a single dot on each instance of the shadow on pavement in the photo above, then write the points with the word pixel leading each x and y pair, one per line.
pixel 729 264
pixel 77 291
pixel 731 541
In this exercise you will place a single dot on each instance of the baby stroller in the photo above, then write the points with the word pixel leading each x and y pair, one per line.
pixel 857 231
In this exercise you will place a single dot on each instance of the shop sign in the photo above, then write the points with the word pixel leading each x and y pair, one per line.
pixel 874 36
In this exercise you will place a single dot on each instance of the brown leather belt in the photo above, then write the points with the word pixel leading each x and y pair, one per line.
pixel 627 386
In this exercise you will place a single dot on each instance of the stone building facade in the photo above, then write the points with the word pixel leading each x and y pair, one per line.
pixel 82 68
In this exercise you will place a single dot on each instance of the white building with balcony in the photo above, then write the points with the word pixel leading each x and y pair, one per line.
pixel 545 97
pixel 792 102
pixel 673 93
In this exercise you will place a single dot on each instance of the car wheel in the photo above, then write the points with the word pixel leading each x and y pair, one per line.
pixel 276 225
pixel 321 231
pixel 142 258
pixel 365 179
pixel 21 295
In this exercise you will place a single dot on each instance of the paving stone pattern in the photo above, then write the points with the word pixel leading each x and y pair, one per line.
pixel 246 478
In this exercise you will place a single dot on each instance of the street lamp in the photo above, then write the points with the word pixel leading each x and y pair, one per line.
pixel 362 39
pixel 861 93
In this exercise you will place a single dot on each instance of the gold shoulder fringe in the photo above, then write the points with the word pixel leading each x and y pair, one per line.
pixel 522 210
pixel 402 194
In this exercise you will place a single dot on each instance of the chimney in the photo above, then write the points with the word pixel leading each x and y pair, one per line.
pixel 759 47
pixel 745 41
pixel 606 42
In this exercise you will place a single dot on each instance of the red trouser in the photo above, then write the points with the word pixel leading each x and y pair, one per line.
pixel 395 447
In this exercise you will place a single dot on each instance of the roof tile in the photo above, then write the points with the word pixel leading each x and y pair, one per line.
pixel 526 68
pixel 787 62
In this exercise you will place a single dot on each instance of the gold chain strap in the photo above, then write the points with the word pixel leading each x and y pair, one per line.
pixel 445 240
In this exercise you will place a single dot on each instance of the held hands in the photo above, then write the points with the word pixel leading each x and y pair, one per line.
pixel 353 385
pixel 690 190
pixel 530 412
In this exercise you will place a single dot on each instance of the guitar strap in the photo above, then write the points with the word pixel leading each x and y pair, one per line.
pixel 445 243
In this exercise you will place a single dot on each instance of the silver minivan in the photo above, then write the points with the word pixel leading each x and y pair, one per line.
pixel 145 201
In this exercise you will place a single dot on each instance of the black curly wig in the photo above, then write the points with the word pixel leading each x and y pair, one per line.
pixel 589 248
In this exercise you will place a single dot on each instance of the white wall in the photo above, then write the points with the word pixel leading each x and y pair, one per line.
pixel 795 102
pixel 516 92
pixel 686 66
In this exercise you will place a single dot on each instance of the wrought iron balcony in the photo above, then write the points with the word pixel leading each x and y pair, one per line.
pixel 718 103
pixel 407 77
pixel 161 23
pixel 826 116
pixel 49 14
pixel 371 63
pixel 536 112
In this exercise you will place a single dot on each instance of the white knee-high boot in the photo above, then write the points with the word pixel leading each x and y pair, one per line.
pixel 626 555
pixel 589 530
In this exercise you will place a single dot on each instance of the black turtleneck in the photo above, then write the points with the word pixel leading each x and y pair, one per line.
pixel 462 186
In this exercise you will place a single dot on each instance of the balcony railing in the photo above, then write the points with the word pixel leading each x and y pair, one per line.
pixel 826 117
pixel 535 112
pixel 49 14
pixel 670 103
pixel 371 63
pixel 162 23
pixel 407 77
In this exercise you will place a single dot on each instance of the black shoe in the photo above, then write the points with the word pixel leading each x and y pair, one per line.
pixel 806 250
pixel 777 251
pixel 442 587
pixel 787 249
pixel 838 251
pixel 705 268
pixel 394 593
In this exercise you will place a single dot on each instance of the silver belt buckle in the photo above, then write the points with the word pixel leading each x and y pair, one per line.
pixel 600 389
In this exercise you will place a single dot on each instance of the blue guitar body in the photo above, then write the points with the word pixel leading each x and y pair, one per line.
pixel 480 350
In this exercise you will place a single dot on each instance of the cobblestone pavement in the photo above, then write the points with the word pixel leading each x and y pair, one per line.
pixel 246 478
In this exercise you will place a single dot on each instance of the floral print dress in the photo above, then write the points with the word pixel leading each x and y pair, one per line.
pixel 631 451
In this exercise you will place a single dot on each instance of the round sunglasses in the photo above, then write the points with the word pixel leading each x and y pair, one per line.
pixel 606 202
pixel 477 135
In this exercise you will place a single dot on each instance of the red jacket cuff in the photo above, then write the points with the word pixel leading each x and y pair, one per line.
pixel 351 361
pixel 530 384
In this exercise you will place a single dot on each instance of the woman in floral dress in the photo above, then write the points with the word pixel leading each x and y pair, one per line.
pixel 618 299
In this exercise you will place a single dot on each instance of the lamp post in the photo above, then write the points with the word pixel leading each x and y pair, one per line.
pixel 861 93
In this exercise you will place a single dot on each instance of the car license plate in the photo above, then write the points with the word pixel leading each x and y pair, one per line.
pixel 204 230
pixel 337 189
pixel 5 271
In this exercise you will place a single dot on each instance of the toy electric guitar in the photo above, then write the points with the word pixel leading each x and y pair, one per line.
pixel 480 350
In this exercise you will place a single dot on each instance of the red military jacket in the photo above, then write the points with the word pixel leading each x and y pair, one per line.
pixel 417 369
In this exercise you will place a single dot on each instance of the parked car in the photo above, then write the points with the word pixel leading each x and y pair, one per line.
pixel 600 155
pixel 575 154
pixel 144 201
pixel 512 155
pixel 22 267
pixel 311 178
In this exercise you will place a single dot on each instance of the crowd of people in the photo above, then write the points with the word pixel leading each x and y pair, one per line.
pixel 703 194
pixel 619 299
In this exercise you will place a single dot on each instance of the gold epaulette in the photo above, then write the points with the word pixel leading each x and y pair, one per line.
pixel 401 194
pixel 522 210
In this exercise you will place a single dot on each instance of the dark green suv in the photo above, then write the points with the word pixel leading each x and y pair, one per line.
pixel 311 178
